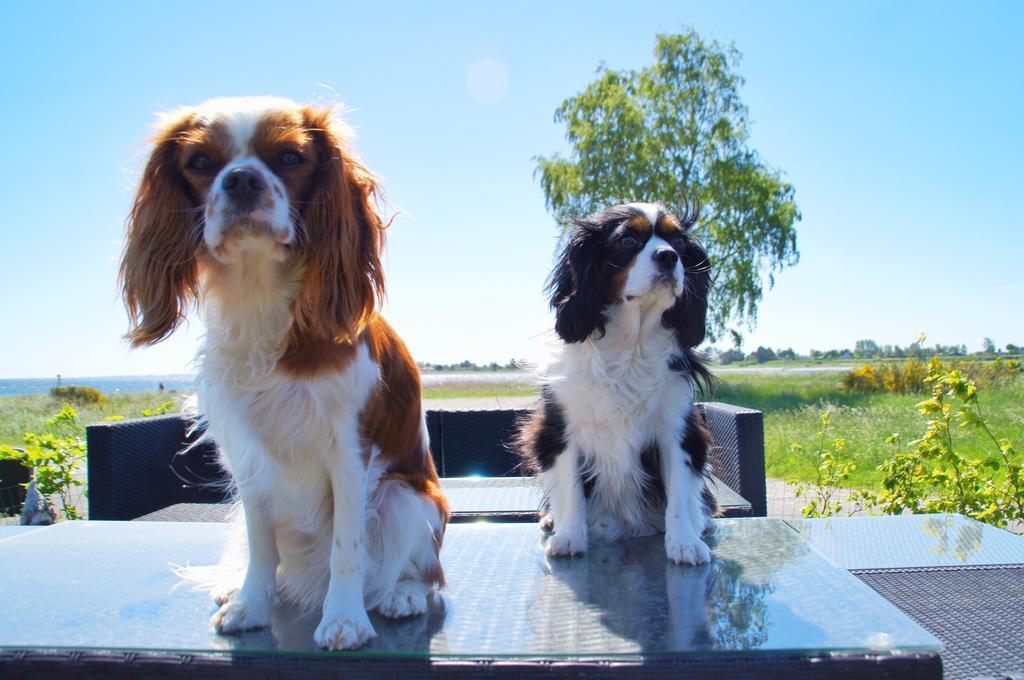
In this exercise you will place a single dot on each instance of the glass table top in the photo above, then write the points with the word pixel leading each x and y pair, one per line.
pixel 911 541
pixel 110 585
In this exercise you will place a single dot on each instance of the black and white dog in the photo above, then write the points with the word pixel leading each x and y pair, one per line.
pixel 616 442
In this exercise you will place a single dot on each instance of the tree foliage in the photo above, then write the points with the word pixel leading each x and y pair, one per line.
pixel 677 131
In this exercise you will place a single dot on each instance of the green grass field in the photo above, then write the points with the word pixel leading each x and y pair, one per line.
pixel 29 414
pixel 479 390
pixel 792 404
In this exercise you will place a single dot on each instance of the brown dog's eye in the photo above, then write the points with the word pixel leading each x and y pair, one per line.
pixel 200 162
pixel 290 158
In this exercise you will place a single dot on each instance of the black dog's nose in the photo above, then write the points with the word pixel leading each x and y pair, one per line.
pixel 666 257
pixel 243 185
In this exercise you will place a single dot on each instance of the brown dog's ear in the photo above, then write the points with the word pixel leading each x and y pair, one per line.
pixel 343 281
pixel 688 316
pixel 158 274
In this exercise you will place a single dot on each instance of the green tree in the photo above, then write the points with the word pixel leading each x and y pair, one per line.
pixel 677 131
pixel 865 348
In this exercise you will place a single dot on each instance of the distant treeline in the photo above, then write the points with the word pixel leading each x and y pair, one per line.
pixel 863 349
pixel 512 365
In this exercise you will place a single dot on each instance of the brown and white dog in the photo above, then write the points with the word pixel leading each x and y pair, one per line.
pixel 617 444
pixel 258 210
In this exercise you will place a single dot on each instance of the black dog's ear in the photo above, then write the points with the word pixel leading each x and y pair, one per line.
pixel 688 316
pixel 578 294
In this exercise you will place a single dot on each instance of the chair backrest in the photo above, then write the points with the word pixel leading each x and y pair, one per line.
pixel 139 466
pixel 463 444
pixel 160 456
pixel 12 494
pixel 474 443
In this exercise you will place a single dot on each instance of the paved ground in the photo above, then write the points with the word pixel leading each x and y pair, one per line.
pixel 782 499
pixel 784 503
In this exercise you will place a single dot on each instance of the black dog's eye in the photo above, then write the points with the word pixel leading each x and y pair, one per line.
pixel 630 241
pixel 677 238
pixel 200 162
pixel 291 158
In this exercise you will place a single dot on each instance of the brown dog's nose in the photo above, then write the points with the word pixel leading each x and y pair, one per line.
pixel 243 186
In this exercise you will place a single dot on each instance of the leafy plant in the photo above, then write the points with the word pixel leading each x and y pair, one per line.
pixel 54 457
pixel 936 475
pixel 832 470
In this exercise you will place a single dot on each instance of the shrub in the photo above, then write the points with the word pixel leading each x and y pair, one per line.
pixel 912 375
pixel 899 378
pixel 79 395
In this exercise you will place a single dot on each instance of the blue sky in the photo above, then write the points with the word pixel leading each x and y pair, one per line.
pixel 899 124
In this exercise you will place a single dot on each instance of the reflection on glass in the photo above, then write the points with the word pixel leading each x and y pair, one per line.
pixel 625 594
pixel 910 541
pixel 737 609
pixel 958 540
pixel 630 593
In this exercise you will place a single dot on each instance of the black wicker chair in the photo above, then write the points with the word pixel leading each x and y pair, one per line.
pixel 135 467
pixel 12 494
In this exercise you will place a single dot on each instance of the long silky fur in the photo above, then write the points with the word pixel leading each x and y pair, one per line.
pixel 295 362
pixel 621 364
pixel 303 581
